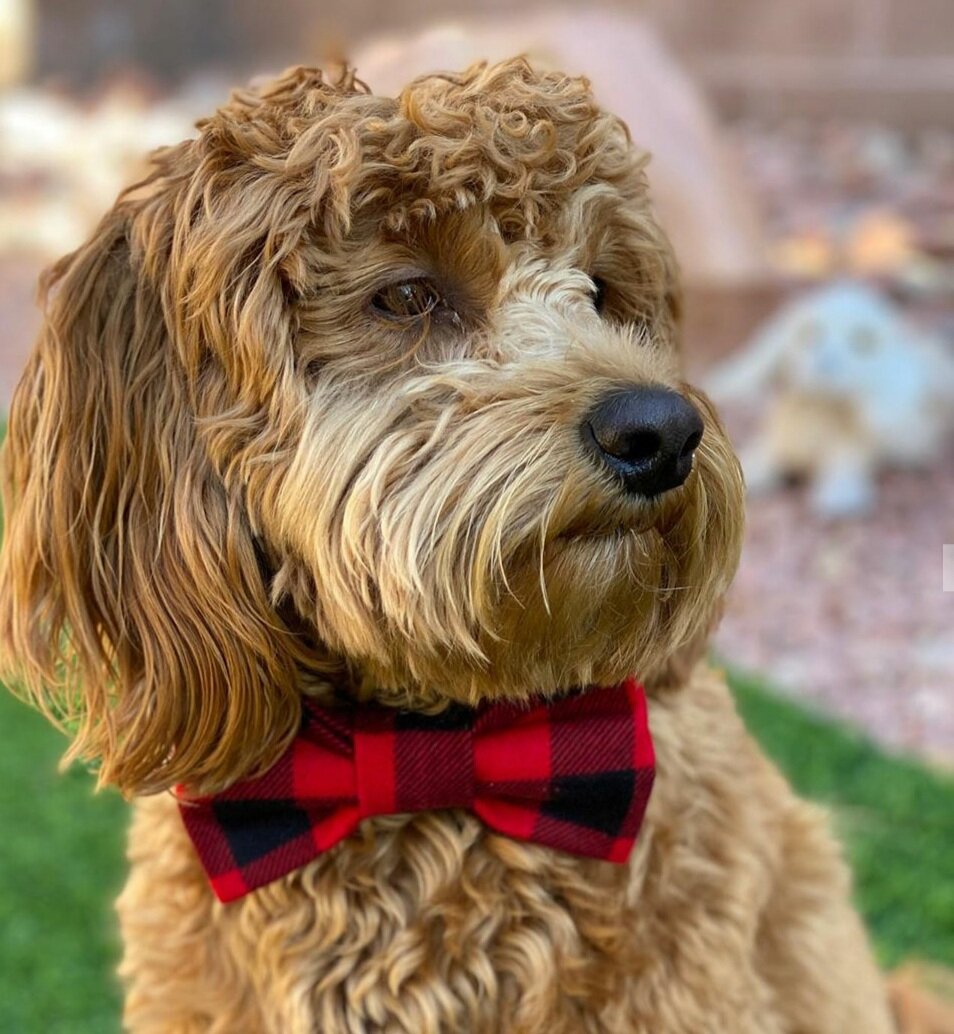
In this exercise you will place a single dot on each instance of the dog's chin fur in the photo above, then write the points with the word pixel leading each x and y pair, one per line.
pixel 510 569
pixel 234 477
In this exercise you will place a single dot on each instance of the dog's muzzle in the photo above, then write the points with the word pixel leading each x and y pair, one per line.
pixel 646 436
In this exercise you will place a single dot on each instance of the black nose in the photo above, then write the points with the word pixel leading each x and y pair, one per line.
pixel 646 436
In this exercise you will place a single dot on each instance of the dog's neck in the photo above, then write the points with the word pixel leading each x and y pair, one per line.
pixel 346 684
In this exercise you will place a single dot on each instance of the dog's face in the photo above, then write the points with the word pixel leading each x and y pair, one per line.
pixel 381 391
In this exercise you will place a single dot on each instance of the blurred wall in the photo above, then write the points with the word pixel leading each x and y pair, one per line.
pixel 887 59
pixel 79 40
pixel 890 59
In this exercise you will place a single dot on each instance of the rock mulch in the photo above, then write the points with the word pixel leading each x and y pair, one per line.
pixel 851 616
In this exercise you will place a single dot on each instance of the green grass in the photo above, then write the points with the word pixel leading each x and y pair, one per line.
pixel 60 867
pixel 61 860
pixel 895 816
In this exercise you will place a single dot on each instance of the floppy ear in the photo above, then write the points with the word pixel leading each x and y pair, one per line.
pixel 131 600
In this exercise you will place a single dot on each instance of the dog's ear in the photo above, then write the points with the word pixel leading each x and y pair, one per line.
pixel 132 606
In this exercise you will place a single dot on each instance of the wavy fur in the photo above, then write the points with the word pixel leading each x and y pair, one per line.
pixel 231 481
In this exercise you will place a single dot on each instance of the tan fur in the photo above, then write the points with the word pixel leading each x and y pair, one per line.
pixel 922 999
pixel 230 482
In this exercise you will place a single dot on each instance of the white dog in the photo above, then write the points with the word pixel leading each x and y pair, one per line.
pixel 854 388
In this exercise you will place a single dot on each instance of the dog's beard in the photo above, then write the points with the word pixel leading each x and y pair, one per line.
pixel 474 552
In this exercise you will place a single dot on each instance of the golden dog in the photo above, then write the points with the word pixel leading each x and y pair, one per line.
pixel 381 398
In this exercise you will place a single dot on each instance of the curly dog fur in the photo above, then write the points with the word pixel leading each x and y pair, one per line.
pixel 233 478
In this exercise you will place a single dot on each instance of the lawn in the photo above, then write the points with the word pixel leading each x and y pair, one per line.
pixel 895 816
pixel 62 858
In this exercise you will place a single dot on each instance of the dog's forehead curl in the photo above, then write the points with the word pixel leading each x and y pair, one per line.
pixel 504 136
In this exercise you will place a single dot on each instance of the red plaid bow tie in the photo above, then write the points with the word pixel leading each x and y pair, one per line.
pixel 574 774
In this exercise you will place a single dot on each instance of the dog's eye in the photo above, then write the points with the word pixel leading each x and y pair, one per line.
pixel 599 293
pixel 409 300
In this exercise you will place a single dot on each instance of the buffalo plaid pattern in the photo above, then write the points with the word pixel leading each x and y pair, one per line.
pixel 574 774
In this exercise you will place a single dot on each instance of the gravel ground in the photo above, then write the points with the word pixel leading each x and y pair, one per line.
pixel 851 617
pixel 19 319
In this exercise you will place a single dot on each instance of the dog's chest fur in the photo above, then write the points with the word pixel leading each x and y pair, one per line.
pixel 429 923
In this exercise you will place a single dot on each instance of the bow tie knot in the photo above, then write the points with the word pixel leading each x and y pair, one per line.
pixel 439 773
pixel 573 774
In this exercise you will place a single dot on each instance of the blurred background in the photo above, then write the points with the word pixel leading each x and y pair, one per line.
pixel 803 163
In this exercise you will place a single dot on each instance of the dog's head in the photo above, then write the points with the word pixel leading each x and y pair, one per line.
pixel 384 392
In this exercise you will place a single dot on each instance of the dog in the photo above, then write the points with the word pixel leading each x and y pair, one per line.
pixel 376 404
pixel 855 389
